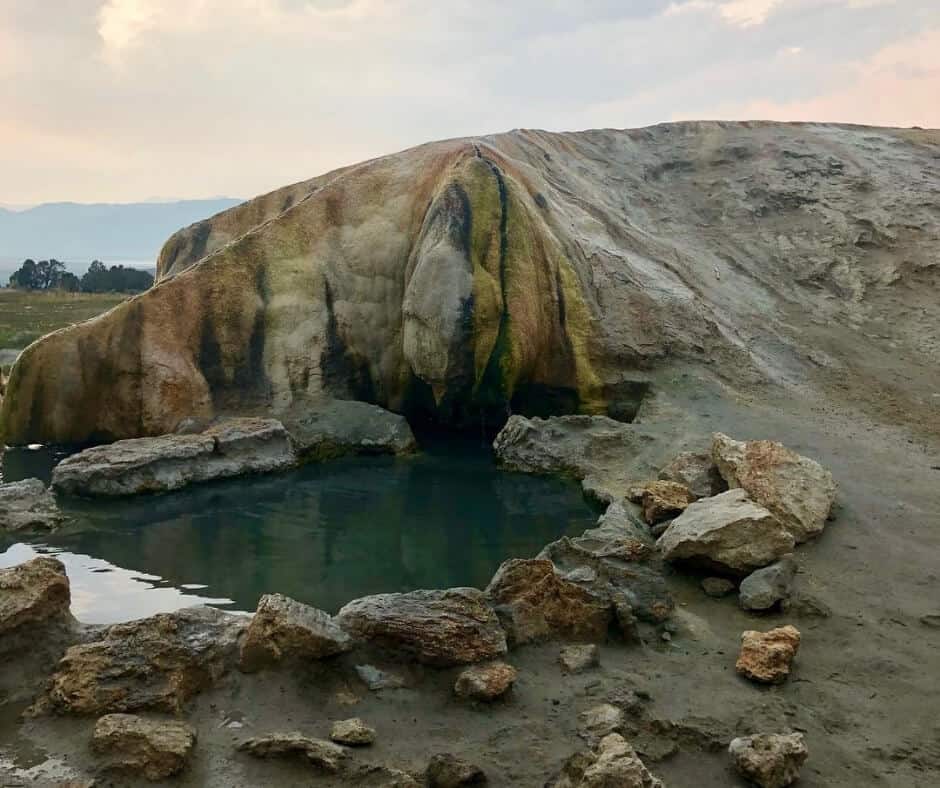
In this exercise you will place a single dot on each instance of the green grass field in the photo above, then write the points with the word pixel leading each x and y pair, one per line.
pixel 26 316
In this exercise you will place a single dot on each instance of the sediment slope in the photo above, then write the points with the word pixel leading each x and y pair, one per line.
pixel 529 272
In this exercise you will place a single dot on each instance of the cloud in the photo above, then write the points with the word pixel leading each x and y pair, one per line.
pixel 195 97
pixel 746 13
pixel 740 13
pixel 898 86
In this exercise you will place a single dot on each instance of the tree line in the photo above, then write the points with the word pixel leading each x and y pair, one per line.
pixel 51 275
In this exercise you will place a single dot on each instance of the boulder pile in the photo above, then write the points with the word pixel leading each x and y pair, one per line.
pixel 775 500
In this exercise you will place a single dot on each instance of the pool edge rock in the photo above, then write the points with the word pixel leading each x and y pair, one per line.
pixel 233 447
pixel 447 627
pixel 151 664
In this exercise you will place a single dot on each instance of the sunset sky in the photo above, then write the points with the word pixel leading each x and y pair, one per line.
pixel 123 100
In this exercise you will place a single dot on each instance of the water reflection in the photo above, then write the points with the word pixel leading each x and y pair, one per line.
pixel 325 534
pixel 106 594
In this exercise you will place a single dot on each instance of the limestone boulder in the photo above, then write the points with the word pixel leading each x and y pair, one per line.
pixel 283 628
pixel 765 588
pixel 605 455
pixel 535 602
pixel 599 721
pixel 352 733
pixel 770 760
pixel 485 682
pixel 697 472
pixel 579 658
pixel 155 749
pixel 661 500
pixel 766 657
pixel 322 754
pixel 615 561
pixel 333 428
pixel 620 521
pixel 156 663
pixel 612 763
pixel 797 490
pixel 28 504
pixel 612 565
pixel 233 447
pixel 728 532
pixel 449 627
pixel 33 595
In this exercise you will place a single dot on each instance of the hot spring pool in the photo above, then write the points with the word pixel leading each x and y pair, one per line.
pixel 323 534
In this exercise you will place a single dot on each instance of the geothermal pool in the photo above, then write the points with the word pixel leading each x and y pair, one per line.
pixel 323 534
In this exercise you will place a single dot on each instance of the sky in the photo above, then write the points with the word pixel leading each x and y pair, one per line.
pixel 127 100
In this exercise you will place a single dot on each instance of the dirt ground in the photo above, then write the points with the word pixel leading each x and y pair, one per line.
pixel 865 689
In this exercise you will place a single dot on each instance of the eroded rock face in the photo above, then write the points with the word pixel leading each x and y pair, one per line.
pixel 450 627
pixel 283 628
pixel 613 763
pixel 766 657
pixel 770 760
pixel 233 447
pixel 661 500
pixel 728 532
pixel 334 428
pixel 135 746
pixel 322 754
pixel 697 472
pixel 485 682
pixel 534 602
pixel 797 490
pixel 28 505
pixel 33 594
pixel 157 663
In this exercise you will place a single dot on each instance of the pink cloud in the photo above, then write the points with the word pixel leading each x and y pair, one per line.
pixel 898 86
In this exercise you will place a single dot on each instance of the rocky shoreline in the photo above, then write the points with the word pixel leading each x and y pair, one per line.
pixel 605 586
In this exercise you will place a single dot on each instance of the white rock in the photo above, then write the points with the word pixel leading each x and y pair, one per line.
pixel 728 532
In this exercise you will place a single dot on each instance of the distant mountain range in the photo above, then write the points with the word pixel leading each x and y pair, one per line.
pixel 79 233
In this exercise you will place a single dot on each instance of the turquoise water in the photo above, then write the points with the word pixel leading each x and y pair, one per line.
pixel 323 534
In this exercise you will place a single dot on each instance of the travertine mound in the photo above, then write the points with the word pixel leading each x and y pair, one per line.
pixel 530 272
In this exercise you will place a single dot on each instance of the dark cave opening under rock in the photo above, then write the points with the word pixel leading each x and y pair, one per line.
pixel 486 415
